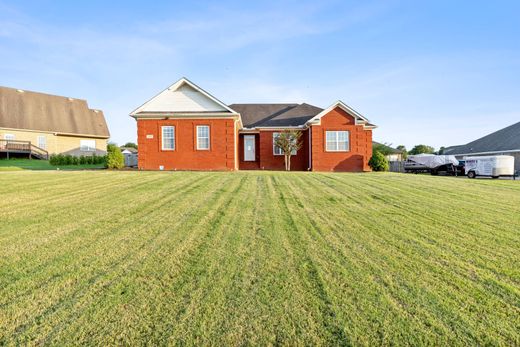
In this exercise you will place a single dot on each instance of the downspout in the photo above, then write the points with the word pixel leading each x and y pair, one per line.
pixel 310 150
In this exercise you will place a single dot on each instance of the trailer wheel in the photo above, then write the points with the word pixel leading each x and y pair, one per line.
pixel 494 177
pixel 471 174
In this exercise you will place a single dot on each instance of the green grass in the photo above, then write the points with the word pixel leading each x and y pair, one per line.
pixel 36 164
pixel 258 258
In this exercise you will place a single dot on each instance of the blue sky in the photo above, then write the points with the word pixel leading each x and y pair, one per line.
pixel 433 72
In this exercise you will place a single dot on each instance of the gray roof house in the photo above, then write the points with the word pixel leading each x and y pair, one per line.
pixel 504 141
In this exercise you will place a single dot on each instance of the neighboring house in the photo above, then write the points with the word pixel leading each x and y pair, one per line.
pixel 186 128
pixel 32 123
pixel 391 154
pixel 505 141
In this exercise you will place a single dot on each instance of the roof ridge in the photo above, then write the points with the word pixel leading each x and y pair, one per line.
pixel 19 90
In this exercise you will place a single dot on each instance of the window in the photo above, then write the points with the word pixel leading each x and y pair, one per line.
pixel 202 137
pixel 168 138
pixel 337 141
pixel 277 150
pixel 87 145
pixel 9 137
pixel 42 142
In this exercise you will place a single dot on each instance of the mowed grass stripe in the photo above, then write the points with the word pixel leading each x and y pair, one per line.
pixel 387 243
pixel 195 239
pixel 68 239
pixel 262 258
pixel 105 259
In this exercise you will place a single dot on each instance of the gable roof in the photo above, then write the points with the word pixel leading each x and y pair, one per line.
pixel 128 149
pixel 275 115
pixel 20 109
pixel 504 140
pixel 387 148
pixel 183 97
pixel 358 117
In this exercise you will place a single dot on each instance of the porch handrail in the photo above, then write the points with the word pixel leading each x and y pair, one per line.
pixel 23 146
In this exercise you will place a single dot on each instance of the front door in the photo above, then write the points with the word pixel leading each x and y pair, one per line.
pixel 249 148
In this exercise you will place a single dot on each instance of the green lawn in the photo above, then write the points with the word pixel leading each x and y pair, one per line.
pixel 35 164
pixel 258 258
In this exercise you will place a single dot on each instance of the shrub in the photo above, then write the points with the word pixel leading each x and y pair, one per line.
pixel 82 160
pixel 378 162
pixel 75 160
pixel 53 159
pixel 115 159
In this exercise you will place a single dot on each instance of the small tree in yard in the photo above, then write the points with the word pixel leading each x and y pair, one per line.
pixel 289 142
pixel 378 162
pixel 115 159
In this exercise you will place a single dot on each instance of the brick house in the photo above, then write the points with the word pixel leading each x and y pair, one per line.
pixel 186 128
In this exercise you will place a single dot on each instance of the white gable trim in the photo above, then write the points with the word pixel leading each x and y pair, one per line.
pixel 176 86
pixel 360 120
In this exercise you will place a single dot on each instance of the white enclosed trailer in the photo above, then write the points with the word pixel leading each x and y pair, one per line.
pixel 491 166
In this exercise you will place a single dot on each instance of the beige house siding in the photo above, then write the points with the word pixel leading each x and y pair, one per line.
pixel 58 144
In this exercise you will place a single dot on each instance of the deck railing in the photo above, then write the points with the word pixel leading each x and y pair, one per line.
pixel 17 146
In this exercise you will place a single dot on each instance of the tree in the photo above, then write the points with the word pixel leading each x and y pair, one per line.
pixel 403 150
pixel 441 150
pixel 115 159
pixel 382 148
pixel 131 145
pixel 289 142
pixel 378 162
pixel 420 149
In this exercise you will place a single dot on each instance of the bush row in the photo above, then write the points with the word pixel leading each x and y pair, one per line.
pixel 62 159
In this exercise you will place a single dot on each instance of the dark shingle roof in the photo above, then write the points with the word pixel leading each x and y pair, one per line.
pixel 275 115
pixel 37 111
pixel 500 141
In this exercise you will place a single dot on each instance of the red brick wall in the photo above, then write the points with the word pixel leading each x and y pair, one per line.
pixel 248 165
pixel 220 156
pixel 269 161
pixel 360 144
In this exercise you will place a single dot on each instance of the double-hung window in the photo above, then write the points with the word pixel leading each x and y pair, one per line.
pixel 337 141
pixel 168 138
pixel 87 145
pixel 42 141
pixel 278 150
pixel 202 137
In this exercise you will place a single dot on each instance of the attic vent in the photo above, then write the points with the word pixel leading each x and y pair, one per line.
pixel 20 91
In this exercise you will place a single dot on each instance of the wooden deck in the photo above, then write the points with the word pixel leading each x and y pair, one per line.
pixel 22 147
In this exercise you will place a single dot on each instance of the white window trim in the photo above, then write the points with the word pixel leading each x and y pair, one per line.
pixel 209 137
pixel 40 137
pixel 162 137
pixel 87 148
pixel 274 147
pixel 337 141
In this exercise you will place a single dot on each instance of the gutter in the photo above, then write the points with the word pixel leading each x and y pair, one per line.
pixel 490 152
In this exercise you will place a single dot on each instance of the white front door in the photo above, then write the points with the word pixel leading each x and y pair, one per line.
pixel 249 148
